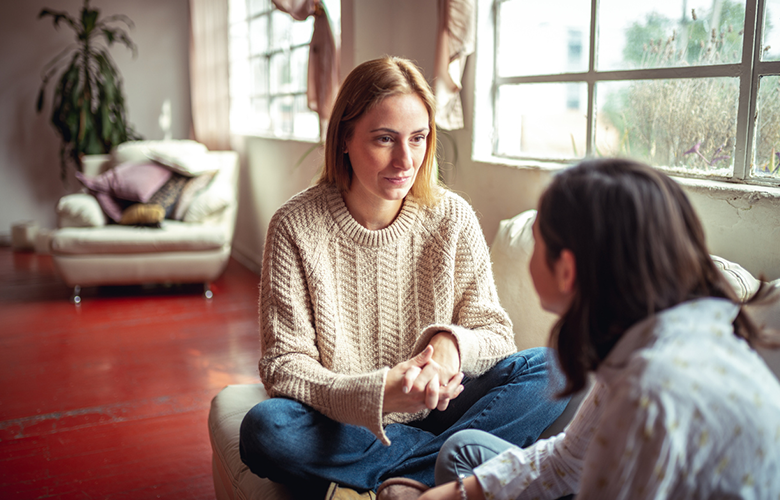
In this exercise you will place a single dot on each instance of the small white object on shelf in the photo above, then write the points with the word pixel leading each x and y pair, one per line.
pixel 23 235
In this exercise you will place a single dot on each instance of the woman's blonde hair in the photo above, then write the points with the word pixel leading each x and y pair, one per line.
pixel 363 89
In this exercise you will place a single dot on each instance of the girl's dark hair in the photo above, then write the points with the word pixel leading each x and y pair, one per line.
pixel 638 247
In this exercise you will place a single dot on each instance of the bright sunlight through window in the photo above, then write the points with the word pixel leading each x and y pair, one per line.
pixel 689 86
pixel 269 54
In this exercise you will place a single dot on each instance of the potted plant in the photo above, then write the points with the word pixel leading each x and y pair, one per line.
pixel 88 109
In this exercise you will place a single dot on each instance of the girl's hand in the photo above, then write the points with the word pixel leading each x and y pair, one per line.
pixel 449 491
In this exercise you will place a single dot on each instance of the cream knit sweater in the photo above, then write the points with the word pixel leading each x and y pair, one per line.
pixel 341 304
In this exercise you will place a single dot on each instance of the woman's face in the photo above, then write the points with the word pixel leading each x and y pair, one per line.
pixel 386 151
pixel 551 284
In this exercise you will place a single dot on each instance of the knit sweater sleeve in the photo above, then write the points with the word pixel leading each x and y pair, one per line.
pixel 290 363
pixel 479 323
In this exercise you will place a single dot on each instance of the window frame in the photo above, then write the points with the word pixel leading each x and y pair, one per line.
pixel 268 54
pixel 748 71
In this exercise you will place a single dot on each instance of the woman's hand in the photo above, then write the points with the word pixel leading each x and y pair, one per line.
pixel 444 364
pixel 415 385
pixel 449 491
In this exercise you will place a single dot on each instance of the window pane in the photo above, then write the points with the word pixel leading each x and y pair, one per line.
pixel 771 40
pixel 261 115
pixel 663 33
pixel 686 125
pixel 537 38
pixel 281 25
pixel 259 76
pixel 239 95
pixel 258 35
pixel 283 112
pixel 306 122
pixel 280 74
pixel 259 6
pixel 237 11
pixel 767 159
pixel 299 68
pixel 239 44
pixel 301 31
pixel 240 80
pixel 536 120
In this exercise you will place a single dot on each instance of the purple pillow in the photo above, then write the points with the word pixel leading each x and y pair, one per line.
pixel 129 182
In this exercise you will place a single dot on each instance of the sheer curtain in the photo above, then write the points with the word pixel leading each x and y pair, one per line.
pixel 454 43
pixel 323 79
pixel 209 70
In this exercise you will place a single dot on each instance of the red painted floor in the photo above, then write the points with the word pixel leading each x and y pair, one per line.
pixel 109 399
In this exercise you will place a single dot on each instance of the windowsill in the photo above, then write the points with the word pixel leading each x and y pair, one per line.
pixel 731 190
pixel 720 188
pixel 272 137
pixel 546 166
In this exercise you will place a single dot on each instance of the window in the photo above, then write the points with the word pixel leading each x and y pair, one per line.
pixel 269 54
pixel 689 86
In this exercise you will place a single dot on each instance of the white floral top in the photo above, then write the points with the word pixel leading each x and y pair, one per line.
pixel 682 409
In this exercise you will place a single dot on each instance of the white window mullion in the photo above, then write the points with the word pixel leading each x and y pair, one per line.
pixel 748 88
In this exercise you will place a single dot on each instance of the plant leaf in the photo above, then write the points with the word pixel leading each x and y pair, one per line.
pixel 59 16
pixel 89 19
pixel 39 102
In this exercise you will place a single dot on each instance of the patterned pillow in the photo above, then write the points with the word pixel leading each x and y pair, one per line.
pixel 169 193
pixel 190 191
pixel 178 192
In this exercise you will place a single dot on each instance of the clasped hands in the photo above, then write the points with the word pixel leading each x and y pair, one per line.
pixel 429 380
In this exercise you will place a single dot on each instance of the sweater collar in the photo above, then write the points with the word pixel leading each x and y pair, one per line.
pixel 366 237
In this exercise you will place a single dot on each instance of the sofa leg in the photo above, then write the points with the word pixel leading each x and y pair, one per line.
pixel 207 293
pixel 76 297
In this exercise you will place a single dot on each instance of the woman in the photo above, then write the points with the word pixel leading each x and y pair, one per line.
pixel 682 406
pixel 381 330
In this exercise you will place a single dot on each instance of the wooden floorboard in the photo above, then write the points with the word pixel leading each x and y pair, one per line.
pixel 109 399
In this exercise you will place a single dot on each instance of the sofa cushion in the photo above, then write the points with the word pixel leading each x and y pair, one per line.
pixel 743 283
pixel 80 210
pixel 218 196
pixel 510 254
pixel 143 214
pixel 232 479
pixel 174 236
pixel 125 184
pixel 186 157
pixel 190 192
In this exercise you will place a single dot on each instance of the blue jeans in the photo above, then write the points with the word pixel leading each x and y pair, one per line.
pixel 465 451
pixel 291 443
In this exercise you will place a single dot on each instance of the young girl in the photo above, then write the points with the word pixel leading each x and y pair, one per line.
pixel 682 406
pixel 380 325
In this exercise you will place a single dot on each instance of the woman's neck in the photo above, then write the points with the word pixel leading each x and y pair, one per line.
pixel 376 215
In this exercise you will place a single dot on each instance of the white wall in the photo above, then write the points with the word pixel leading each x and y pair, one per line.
pixel 742 228
pixel 29 148
pixel 272 173
pixel 372 28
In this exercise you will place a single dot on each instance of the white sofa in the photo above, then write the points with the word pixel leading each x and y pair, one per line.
pixel 510 253
pixel 88 251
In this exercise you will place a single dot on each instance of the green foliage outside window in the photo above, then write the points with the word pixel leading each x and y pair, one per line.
pixel 690 124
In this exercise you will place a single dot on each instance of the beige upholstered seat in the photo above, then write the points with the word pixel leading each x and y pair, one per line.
pixel 511 251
